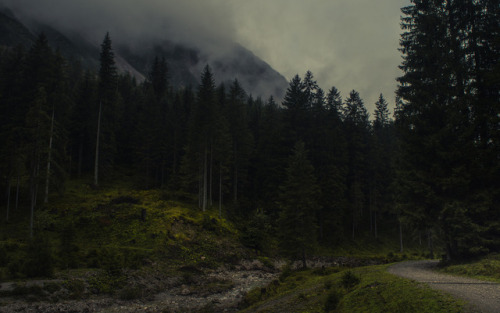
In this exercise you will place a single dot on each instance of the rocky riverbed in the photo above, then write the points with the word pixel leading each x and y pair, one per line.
pixel 190 289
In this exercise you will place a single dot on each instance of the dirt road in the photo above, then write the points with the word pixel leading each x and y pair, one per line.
pixel 482 296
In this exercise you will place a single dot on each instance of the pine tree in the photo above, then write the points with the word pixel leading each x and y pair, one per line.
pixel 381 162
pixel 298 204
pixel 242 141
pixel 196 166
pixel 357 129
pixel 441 122
pixel 108 114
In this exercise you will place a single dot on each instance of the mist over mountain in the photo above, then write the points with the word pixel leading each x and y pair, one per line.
pixel 136 47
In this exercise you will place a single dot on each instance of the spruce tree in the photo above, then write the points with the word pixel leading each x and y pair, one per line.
pixel 298 202
pixel 107 115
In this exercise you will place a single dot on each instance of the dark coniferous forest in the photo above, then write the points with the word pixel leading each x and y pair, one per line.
pixel 316 169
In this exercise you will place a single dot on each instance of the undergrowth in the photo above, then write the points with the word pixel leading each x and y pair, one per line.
pixel 364 289
pixel 487 268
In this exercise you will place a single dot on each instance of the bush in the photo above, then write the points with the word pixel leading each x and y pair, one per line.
pixel 286 271
pixel 256 232
pixel 76 288
pixel 349 280
pixel 68 250
pixel 111 261
pixel 332 301
pixel 4 259
pixel 38 262
pixel 131 293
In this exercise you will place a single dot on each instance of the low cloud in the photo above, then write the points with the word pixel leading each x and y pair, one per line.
pixel 349 44
pixel 195 22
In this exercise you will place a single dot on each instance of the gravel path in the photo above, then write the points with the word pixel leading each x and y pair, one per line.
pixel 481 295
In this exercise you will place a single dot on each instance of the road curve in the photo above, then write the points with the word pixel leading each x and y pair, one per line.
pixel 482 296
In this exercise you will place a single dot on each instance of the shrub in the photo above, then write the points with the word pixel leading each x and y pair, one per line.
pixel 68 250
pixel 349 280
pixel 332 301
pixel 4 259
pixel 131 293
pixel 39 261
pixel 76 288
pixel 111 261
pixel 286 271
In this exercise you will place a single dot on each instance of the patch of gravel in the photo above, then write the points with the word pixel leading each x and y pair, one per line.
pixel 482 296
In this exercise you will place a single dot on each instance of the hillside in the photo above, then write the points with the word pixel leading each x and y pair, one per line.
pixel 117 243
pixel 184 63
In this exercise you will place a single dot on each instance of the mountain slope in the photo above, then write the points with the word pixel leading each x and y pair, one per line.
pixel 184 63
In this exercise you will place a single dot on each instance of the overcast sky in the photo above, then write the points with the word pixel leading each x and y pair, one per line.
pixel 349 44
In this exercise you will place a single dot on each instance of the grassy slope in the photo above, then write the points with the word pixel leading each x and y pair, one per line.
pixel 377 291
pixel 110 219
pixel 487 268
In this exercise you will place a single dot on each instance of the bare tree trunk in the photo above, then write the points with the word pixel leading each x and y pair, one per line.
pixel 96 165
pixel 235 190
pixel 200 189
pixel 370 208
pixel 205 178
pixel 8 201
pixel 17 191
pixel 49 160
pixel 33 194
pixel 220 191
pixel 174 165
pixel 80 160
pixel 32 208
pixel 400 236
pixel 375 224
pixel 353 225
pixel 210 203
pixel 430 243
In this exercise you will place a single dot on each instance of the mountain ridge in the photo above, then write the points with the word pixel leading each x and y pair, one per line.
pixel 184 63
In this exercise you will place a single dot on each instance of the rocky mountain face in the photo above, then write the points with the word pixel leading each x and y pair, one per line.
pixel 184 63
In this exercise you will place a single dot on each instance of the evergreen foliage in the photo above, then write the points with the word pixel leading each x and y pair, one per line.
pixel 433 170
pixel 298 203
pixel 444 180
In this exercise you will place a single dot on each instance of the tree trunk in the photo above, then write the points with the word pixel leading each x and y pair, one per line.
pixel 174 165
pixel 304 260
pixel 80 159
pixel 375 224
pixel 96 165
pixel 400 236
pixel 235 190
pixel 32 209
pixel 33 194
pixel 220 191
pixel 205 178
pixel 210 203
pixel 17 191
pixel 8 201
pixel 430 243
pixel 200 188
pixel 49 160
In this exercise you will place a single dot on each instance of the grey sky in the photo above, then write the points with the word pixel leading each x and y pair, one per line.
pixel 349 44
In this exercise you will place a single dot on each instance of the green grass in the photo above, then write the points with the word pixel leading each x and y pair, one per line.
pixel 487 268
pixel 376 291
pixel 134 225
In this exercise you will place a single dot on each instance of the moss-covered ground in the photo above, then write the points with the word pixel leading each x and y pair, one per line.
pixel 117 226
